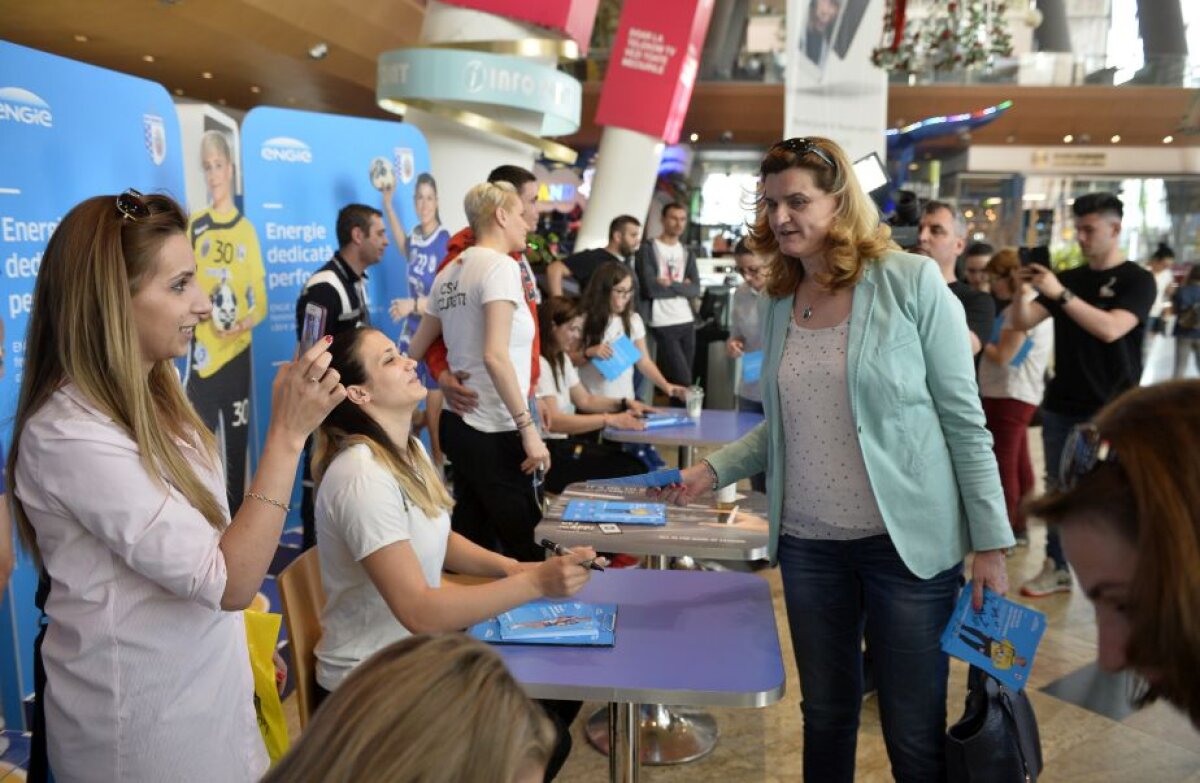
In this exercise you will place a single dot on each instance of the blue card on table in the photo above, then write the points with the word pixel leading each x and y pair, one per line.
pixel 619 511
pixel 1001 639
pixel 657 478
pixel 551 622
pixel 752 366
pixel 625 355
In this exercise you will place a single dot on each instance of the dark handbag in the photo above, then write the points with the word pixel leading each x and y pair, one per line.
pixel 996 740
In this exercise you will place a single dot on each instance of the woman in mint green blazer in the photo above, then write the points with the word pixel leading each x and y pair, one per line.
pixel 880 472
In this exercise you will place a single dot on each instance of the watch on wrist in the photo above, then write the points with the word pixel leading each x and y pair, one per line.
pixel 712 472
pixel 1065 296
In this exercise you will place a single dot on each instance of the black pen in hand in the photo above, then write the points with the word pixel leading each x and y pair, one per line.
pixel 560 550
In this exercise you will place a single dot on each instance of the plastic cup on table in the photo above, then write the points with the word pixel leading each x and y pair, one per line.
pixel 695 402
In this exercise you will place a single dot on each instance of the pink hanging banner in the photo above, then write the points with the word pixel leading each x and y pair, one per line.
pixel 573 18
pixel 653 67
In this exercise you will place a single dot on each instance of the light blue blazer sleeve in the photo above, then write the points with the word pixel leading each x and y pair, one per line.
pixel 916 411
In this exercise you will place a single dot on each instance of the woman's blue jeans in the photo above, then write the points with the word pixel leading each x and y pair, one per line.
pixel 835 592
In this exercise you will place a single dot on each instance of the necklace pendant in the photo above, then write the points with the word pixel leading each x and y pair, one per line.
pixel 806 314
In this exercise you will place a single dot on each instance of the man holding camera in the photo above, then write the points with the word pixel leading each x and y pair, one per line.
pixel 1099 311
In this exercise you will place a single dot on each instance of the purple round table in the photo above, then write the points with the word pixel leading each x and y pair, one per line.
pixel 689 638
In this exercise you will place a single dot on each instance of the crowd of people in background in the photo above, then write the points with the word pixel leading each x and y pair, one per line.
pixel 894 454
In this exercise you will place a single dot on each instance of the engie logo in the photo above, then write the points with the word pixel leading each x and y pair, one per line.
pixel 287 150
pixel 18 105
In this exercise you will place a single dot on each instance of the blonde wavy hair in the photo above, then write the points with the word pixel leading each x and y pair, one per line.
pixel 856 235
pixel 81 331
pixel 434 709
pixel 482 201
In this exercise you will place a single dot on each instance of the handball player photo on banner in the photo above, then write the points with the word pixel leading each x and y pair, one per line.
pixel 300 169
pixel 218 370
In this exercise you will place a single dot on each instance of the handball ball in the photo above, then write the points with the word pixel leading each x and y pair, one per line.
pixel 382 176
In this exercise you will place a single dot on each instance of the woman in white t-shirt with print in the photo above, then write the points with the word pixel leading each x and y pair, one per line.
pixel 477 305
pixel 383 523
pixel 573 411
pixel 1012 377
pixel 608 314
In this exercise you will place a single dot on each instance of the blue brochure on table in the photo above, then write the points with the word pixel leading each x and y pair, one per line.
pixel 1001 639
pixel 657 478
pixel 665 419
pixel 625 355
pixel 752 366
pixel 552 622
pixel 618 511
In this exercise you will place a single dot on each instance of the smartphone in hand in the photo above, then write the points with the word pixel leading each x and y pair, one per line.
pixel 314 326
pixel 1039 255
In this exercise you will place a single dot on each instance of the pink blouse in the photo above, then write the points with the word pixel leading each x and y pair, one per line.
pixel 147 678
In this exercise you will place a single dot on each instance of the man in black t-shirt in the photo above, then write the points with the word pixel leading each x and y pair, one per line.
pixel 942 237
pixel 624 236
pixel 1099 313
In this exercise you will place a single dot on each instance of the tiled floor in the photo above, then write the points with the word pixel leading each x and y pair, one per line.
pixel 1157 744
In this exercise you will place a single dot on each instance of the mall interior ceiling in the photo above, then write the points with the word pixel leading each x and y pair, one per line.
pixel 245 53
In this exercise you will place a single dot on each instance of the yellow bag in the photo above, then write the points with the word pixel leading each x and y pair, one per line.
pixel 262 632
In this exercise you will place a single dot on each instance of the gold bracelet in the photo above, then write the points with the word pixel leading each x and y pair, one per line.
pixel 269 501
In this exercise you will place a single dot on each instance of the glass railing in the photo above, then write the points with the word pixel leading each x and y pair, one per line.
pixel 1038 69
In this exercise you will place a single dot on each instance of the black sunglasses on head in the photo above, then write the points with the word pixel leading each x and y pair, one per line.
pixel 802 146
pixel 132 206
pixel 1083 451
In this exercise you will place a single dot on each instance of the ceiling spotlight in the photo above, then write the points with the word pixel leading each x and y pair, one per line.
pixel 1010 138
pixel 319 50
pixel 254 88
pixel 206 75
pixel 148 58
pixel 179 91
pixel 1068 139
pixel 695 137
pixel 914 166
pixel 1168 139
pixel 79 38
pixel 222 101
pixel 1116 139
pixel 292 99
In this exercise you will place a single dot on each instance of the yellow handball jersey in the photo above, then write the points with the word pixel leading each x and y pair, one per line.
pixel 229 267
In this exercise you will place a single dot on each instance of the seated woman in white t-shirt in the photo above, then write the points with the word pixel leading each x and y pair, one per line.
pixel 477 305
pixel 571 410
pixel 383 526
pixel 608 313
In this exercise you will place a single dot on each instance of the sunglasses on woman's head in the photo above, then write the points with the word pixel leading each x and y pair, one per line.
pixel 132 206
pixel 1083 451
pixel 802 146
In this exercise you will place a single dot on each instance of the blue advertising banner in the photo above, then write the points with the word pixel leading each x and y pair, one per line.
pixel 68 131
pixel 299 169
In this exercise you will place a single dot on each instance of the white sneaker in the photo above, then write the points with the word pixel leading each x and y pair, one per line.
pixel 1050 580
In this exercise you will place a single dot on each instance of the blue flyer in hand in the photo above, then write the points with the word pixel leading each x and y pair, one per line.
pixel 657 478
pixel 625 355
pixel 752 366
pixel 1001 639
